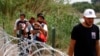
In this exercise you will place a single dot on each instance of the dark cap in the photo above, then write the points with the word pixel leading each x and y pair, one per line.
pixel 39 14
pixel 32 18
pixel 41 17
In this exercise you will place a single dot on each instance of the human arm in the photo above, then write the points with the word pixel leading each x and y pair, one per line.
pixel 15 27
pixel 71 47
pixel 35 31
pixel 44 30
pixel 74 37
pixel 97 48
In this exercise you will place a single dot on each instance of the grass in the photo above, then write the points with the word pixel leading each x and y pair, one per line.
pixel 63 26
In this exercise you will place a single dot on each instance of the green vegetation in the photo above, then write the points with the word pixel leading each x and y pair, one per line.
pixel 62 17
pixel 81 6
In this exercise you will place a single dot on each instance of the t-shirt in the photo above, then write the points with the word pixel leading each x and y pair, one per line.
pixel 19 22
pixel 16 22
pixel 36 36
pixel 29 27
pixel 85 40
pixel 44 27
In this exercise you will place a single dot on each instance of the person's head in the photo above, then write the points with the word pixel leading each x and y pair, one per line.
pixel 41 19
pixel 22 16
pixel 32 20
pixel 89 16
pixel 37 25
pixel 39 14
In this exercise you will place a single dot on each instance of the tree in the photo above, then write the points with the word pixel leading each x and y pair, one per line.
pixel 95 1
pixel 81 6
pixel 97 8
pixel 62 16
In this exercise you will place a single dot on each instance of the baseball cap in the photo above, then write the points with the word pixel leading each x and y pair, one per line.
pixel 39 14
pixel 89 13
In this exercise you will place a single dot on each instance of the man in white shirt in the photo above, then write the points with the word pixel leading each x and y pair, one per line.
pixel 21 26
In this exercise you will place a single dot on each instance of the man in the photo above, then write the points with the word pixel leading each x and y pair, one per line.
pixel 85 37
pixel 21 30
pixel 20 24
pixel 43 27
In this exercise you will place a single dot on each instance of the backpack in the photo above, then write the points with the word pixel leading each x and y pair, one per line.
pixel 41 37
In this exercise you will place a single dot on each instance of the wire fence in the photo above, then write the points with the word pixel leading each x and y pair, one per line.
pixel 25 48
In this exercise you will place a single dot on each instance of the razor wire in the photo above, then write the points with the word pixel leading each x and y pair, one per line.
pixel 8 48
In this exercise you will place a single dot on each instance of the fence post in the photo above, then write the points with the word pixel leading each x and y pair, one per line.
pixel 53 39
pixel 53 36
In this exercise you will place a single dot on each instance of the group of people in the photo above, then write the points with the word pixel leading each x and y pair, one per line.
pixel 32 29
pixel 84 36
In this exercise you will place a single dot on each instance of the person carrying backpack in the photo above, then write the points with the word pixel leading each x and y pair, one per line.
pixel 43 33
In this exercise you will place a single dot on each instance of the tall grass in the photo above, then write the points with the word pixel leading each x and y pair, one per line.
pixel 63 26
pixel 57 15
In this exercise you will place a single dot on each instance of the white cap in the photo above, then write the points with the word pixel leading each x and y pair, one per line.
pixel 89 13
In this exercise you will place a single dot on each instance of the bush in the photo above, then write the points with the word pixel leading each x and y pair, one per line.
pixel 63 25
pixel 62 17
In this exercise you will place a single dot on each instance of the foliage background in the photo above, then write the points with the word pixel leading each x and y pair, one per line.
pixel 61 16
